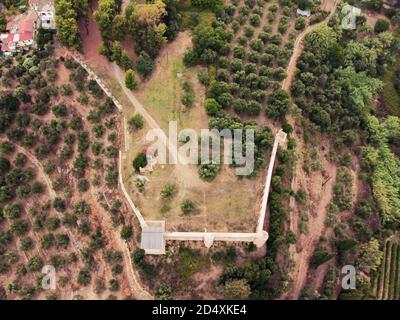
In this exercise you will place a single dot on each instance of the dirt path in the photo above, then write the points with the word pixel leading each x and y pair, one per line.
pixel 187 175
pixel 298 46
pixel 318 186
pixel 133 277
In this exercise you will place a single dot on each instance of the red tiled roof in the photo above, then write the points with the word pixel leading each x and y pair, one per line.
pixel 26 25
pixel 9 39
pixel 24 36
pixel 5 48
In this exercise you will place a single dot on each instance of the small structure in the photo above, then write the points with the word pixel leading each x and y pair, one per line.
pixel 303 13
pixel 20 36
pixel 153 240
pixel 45 11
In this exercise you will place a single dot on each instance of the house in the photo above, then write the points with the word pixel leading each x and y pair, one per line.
pixel 20 36
pixel 45 11
pixel 303 13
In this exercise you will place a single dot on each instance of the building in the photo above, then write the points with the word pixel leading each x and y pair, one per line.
pixel 303 13
pixel 45 11
pixel 153 240
pixel 20 35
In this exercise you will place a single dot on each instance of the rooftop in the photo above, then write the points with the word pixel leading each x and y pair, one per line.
pixel 153 241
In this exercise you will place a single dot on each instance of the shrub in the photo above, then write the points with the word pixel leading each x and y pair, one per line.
pixel 83 185
pixel 26 244
pixel 237 289
pixel 320 256
pixel 140 161
pixel 59 204
pixel 144 65
pixel 300 23
pixel 84 277
pixel 136 122
pixel 381 25
pixel 35 264
pixel 208 172
pixel 130 80
pixel 188 206
pixel 164 292
pixel 19 227
pixel 47 241
pixel 66 90
pixel 126 232
pixel 168 191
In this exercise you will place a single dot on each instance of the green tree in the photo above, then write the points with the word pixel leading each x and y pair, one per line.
pixel 188 206
pixel 136 122
pixel 140 161
pixel 370 256
pixel 168 191
pixel 381 25
pixel 144 65
pixel 164 292
pixel 126 232
pixel 130 80
pixel 84 277
pixel 237 289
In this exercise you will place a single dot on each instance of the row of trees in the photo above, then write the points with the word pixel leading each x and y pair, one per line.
pixel 34 115
pixel 67 14
pixel 257 64
pixel 150 26
pixel 335 88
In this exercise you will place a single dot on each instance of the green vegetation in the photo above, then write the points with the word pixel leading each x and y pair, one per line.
pixel 168 191
pixel 140 161
pixel 67 14
pixel 237 289
pixel 320 256
pixel 387 284
pixel 130 80
pixel 136 122
pixel 150 25
pixel 188 206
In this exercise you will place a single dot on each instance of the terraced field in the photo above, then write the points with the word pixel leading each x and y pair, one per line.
pixel 387 285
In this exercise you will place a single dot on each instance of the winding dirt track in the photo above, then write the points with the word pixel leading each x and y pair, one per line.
pixel 298 46
pixel 316 224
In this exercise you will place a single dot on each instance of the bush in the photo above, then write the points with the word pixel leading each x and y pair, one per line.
pixel 188 207
pixel 126 232
pixel 83 185
pixel 300 23
pixel 212 107
pixel 140 161
pixel 130 80
pixel 381 25
pixel 19 227
pixel 136 122
pixel 208 172
pixel 320 256
pixel 59 204
pixel 84 277
pixel 144 65
pixel 26 244
pixel 13 211
pixel 66 90
pixel 164 292
pixel 237 289
pixel 168 191
pixel 35 264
